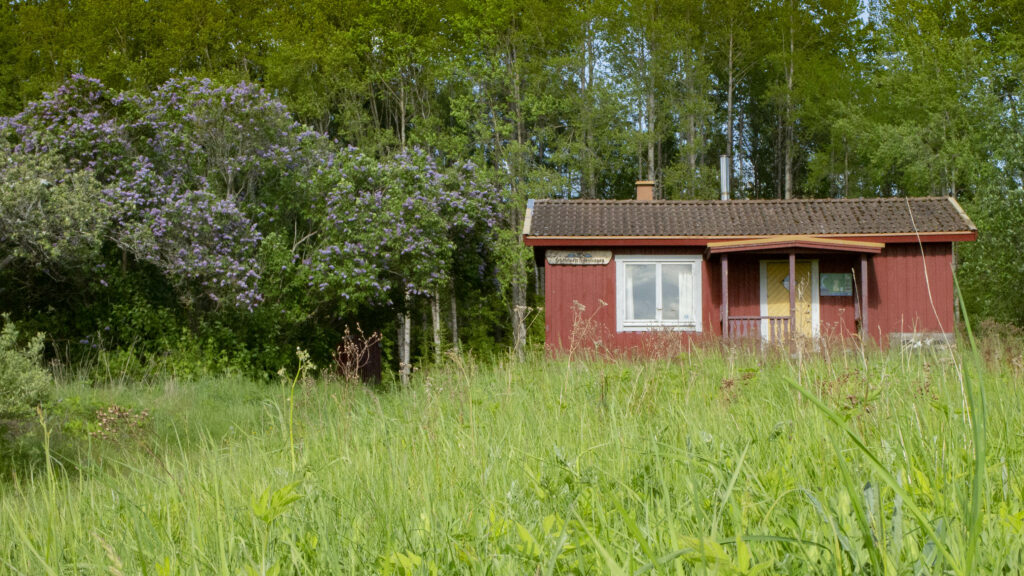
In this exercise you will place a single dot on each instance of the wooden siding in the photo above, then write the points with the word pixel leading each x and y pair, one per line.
pixel 897 290
pixel 583 297
pixel 910 289
pixel 838 317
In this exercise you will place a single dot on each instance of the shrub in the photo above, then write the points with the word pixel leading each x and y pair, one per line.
pixel 118 424
pixel 24 383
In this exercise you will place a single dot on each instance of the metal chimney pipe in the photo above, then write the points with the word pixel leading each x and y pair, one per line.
pixel 725 169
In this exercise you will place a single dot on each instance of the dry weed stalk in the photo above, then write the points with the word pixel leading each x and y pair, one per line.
pixel 356 354
pixel 585 335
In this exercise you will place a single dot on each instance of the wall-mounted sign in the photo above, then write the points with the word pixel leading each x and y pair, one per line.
pixel 579 257
pixel 836 285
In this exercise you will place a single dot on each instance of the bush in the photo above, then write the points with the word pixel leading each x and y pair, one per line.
pixel 24 383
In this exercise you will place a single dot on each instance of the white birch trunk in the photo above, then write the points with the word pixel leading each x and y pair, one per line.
pixel 435 318
pixel 405 342
pixel 519 319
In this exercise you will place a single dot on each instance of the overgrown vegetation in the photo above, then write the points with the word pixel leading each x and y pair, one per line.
pixel 24 383
pixel 718 461
pixel 261 176
pixel 204 222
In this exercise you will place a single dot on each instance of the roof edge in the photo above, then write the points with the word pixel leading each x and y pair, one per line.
pixel 963 214
pixel 744 200
pixel 639 241
pixel 528 219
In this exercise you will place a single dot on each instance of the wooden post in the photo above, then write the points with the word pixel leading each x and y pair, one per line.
pixel 864 332
pixel 725 295
pixel 792 293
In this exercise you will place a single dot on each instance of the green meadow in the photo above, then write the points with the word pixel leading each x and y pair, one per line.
pixel 716 461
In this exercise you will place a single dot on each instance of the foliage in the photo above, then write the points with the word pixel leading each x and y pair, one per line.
pixel 24 383
pixel 262 176
pixel 840 97
pixel 397 224
pixel 49 217
pixel 993 267
pixel 118 424
pixel 163 211
pixel 213 190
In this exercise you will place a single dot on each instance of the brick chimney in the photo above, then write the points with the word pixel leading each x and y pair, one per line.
pixel 645 190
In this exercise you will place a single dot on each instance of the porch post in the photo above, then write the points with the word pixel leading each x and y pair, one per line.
pixel 792 293
pixel 725 296
pixel 864 332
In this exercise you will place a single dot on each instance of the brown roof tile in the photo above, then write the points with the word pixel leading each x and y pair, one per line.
pixel 745 217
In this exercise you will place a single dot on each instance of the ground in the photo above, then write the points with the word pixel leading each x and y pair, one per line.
pixel 718 461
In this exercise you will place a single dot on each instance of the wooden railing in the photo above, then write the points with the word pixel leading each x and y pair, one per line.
pixel 750 327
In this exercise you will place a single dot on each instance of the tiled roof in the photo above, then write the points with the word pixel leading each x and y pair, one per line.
pixel 631 218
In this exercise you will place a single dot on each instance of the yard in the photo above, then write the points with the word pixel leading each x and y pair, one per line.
pixel 719 462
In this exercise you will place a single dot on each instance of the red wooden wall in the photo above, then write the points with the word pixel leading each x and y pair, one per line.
pixel 910 289
pixel 580 300
pixel 583 298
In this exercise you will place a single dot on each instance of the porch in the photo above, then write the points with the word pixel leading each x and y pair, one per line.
pixel 800 258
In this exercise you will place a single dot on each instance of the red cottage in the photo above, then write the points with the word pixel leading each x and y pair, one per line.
pixel 622 270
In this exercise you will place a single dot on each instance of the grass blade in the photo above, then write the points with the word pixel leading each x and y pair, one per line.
pixel 976 404
pixel 882 472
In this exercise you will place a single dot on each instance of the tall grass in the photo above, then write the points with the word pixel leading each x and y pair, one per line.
pixel 716 462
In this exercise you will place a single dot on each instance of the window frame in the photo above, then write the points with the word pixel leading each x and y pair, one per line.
pixel 624 325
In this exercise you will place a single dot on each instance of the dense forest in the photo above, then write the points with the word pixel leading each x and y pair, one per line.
pixel 211 184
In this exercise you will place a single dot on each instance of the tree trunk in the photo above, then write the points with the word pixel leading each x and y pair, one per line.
pixel 455 323
pixel 405 341
pixel 692 152
pixel 694 122
pixel 435 318
pixel 651 163
pixel 738 174
pixel 401 110
pixel 729 118
pixel 519 319
pixel 586 83
pixel 728 124
pixel 778 158
pixel 789 112
pixel 518 284
pixel 846 168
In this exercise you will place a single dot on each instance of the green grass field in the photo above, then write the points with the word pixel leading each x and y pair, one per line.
pixel 717 462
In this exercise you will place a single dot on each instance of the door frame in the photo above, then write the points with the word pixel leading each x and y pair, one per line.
pixel 815 296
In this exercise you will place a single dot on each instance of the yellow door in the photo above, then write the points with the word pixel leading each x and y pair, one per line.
pixel 777 293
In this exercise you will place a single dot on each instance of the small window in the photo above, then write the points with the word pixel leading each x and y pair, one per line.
pixel 657 292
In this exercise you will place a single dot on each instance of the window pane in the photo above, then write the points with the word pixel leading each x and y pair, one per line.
pixel 671 279
pixel 640 292
pixel 676 291
pixel 687 312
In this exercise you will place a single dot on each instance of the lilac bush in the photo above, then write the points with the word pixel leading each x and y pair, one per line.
pixel 83 122
pixel 396 225
pixel 49 216
pixel 236 138
pixel 204 243
pixel 178 165
pixel 229 197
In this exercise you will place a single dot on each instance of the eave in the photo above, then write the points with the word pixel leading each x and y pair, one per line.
pixel 650 241
pixel 815 243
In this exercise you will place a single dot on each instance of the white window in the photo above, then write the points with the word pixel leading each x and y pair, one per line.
pixel 655 292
